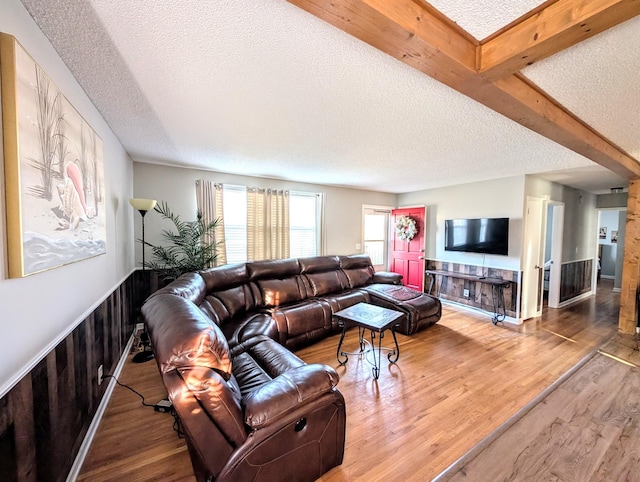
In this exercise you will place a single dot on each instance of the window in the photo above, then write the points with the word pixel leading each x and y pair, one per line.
pixel 303 224
pixel 234 203
pixel 375 235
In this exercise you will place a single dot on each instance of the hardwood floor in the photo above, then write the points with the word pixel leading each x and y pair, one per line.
pixel 586 429
pixel 454 384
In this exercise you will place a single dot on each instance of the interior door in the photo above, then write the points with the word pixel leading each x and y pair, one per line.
pixel 533 259
pixel 407 257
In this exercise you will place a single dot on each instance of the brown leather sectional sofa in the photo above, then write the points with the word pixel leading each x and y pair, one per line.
pixel 249 407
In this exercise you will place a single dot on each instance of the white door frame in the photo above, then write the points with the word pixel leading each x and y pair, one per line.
pixel 533 257
pixel 382 210
pixel 555 274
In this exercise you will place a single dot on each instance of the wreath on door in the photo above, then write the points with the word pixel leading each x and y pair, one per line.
pixel 406 228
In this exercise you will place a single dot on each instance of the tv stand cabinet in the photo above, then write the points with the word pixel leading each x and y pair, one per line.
pixel 497 289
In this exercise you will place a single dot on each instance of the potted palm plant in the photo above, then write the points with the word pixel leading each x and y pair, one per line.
pixel 187 248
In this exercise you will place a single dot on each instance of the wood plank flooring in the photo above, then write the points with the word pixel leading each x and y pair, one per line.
pixel 586 429
pixel 452 386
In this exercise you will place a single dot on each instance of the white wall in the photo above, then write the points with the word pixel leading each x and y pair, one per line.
pixel 580 216
pixel 488 199
pixel 40 309
pixel 176 186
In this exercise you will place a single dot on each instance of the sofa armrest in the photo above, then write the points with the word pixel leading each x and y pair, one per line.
pixel 286 392
pixel 387 277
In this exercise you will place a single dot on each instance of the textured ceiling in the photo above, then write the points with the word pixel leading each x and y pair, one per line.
pixel 599 81
pixel 266 89
pixel 481 18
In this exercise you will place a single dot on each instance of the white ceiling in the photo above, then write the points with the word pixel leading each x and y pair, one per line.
pixel 263 88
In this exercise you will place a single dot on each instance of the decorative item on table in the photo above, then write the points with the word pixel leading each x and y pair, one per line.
pixel 406 228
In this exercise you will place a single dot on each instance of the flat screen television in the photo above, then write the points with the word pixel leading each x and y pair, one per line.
pixel 485 235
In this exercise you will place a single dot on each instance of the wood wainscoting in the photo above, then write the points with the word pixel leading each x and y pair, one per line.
pixel 575 279
pixel 452 289
pixel 45 416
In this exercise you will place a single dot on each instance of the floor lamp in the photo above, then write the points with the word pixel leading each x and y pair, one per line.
pixel 143 206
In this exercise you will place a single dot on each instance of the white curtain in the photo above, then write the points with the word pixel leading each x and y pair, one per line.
pixel 267 224
pixel 322 224
pixel 209 199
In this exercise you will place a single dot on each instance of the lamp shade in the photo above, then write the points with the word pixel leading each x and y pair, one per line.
pixel 142 204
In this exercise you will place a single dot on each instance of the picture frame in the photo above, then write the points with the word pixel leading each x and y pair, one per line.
pixel 602 234
pixel 614 235
pixel 54 173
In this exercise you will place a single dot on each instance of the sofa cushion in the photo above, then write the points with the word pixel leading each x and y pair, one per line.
pixel 247 327
pixel 182 336
pixel 319 264
pixel 223 305
pixel 287 392
pixel 224 277
pixel 320 284
pixel 422 310
pixel 345 299
pixel 276 292
pixel 261 360
pixel 279 268
pixel 189 286
pixel 308 318
pixel 358 269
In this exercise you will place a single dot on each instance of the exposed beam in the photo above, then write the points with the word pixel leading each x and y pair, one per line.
pixel 556 27
pixel 523 102
pixel 416 34
pixel 631 266
pixel 409 31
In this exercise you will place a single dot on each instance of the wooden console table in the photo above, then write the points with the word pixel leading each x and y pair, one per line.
pixel 497 289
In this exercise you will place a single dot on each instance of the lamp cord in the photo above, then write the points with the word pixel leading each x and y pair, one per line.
pixel 129 388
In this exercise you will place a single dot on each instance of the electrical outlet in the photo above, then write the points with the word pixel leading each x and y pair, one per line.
pixel 100 374
pixel 465 293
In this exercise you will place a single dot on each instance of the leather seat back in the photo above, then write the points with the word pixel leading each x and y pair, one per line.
pixel 183 337
pixel 276 282
pixel 228 293
pixel 358 269
pixel 322 275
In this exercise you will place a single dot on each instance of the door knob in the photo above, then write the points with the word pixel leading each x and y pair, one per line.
pixel 420 257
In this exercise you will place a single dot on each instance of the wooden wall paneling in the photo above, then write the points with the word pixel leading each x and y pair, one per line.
pixel 45 416
pixel 21 411
pixel 480 294
pixel 8 454
pixel 575 279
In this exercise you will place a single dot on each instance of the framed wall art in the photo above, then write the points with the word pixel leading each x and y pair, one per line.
pixel 54 181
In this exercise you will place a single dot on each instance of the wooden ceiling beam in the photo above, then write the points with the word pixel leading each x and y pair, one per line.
pixel 554 28
pixel 418 35
pixel 407 30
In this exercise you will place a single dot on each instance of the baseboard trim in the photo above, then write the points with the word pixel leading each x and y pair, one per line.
pixel 455 467
pixel 575 299
pixel 95 423
pixel 479 311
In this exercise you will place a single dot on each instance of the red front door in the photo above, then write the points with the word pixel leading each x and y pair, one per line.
pixel 407 256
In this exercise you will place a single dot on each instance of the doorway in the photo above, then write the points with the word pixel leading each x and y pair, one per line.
pixel 611 234
pixel 553 253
